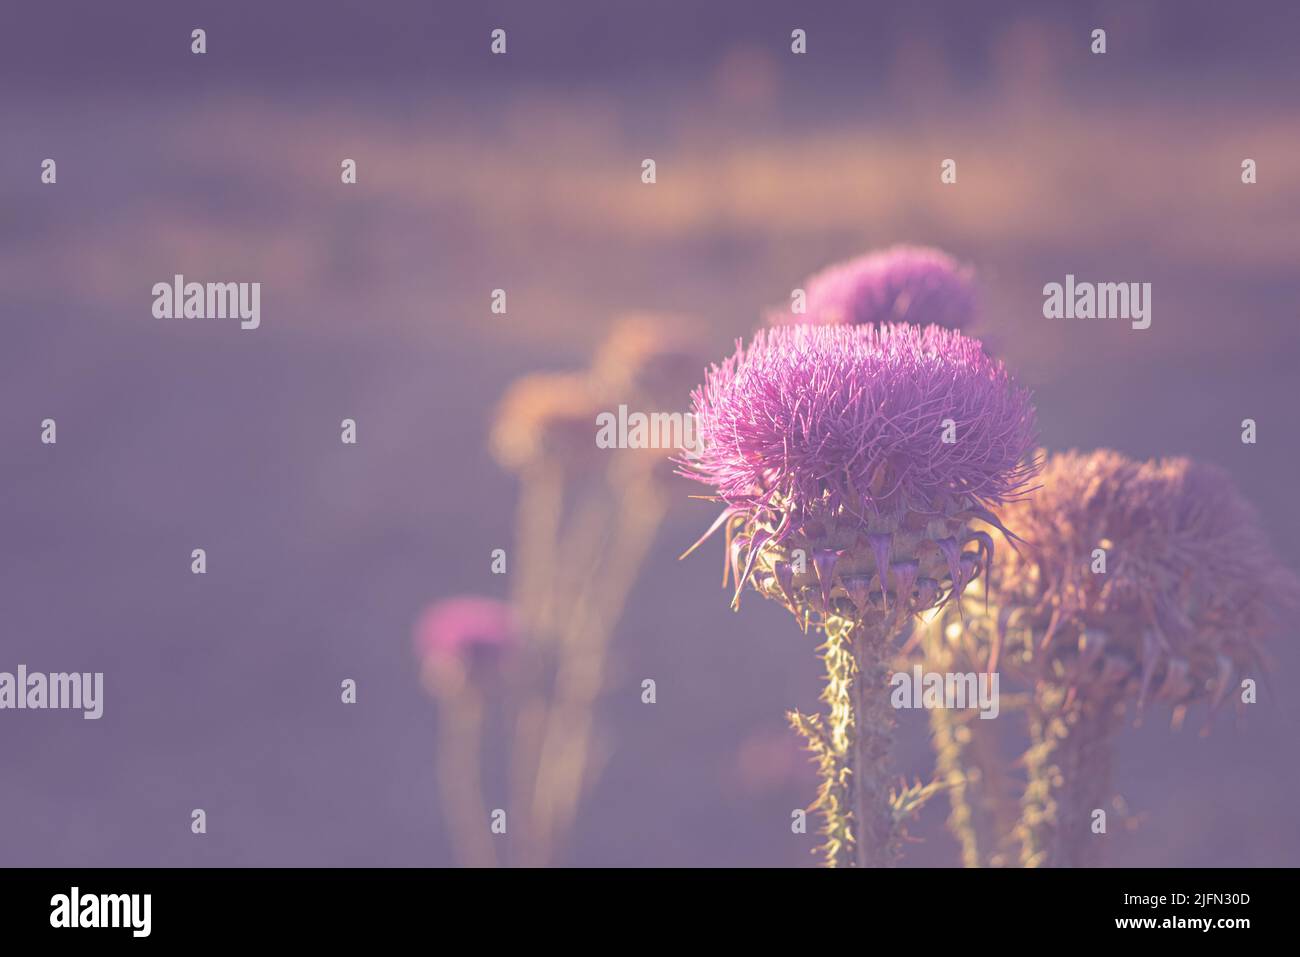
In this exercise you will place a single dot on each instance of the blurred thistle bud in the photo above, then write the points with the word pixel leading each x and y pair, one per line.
pixel 914 284
pixel 645 370
pixel 464 641
pixel 546 417
pixel 649 359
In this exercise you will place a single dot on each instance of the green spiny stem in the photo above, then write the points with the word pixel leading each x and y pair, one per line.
pixel 852 747
pixel 835 796
pixel 1068 766
pixel 875 833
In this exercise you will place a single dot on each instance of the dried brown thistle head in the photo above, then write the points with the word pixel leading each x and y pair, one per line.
pixel 1152 579
pixel 546 417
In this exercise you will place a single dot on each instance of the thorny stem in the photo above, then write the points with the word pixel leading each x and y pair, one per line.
pixel 834 797
pixel 853 748
pixel 1068 764
pixel 875 834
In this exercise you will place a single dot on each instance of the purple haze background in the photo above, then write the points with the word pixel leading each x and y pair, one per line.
pixel 523 171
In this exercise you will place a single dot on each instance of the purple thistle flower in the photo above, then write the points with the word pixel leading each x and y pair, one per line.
pixel 915 284
pixel 860 412
pixel 862 444
pixel 852 460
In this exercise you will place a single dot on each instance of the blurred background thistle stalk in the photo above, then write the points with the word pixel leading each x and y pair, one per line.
pixel 582 553
pixel 951 760
pixel 1068 765
pixel 459 767
pixel 983 813
pixel 564 763
pixel 951 763
pixel 541 501
pixel 586 520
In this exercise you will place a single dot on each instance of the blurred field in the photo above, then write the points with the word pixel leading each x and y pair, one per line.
pixel 222 691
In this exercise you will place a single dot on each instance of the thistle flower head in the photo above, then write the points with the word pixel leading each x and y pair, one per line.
pixel 465 638
pixel 861 412
pixel 914 284
pixel 870 449
pixel 1152 576
pixel 545 416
